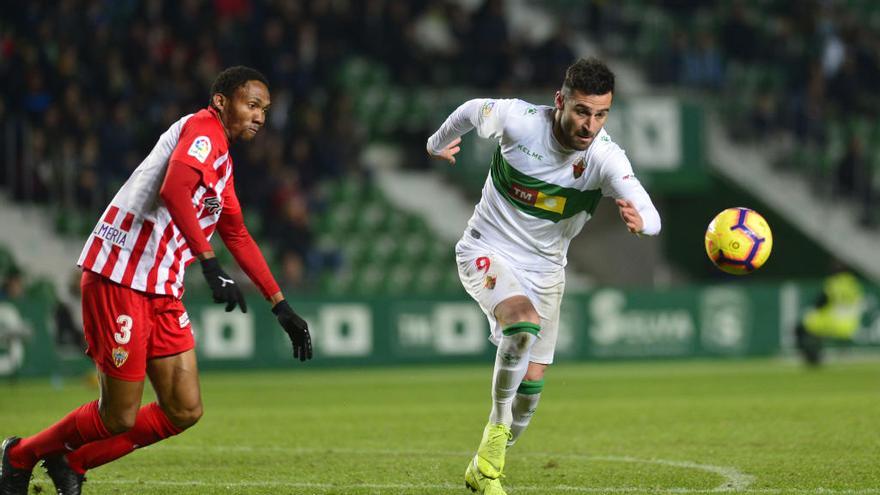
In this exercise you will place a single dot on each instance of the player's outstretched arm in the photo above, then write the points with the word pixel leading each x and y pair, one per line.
pixel 630 215
pixel 633 202
pixel 480 113
pixel 235 235
pixel 176 192
pixel 448 152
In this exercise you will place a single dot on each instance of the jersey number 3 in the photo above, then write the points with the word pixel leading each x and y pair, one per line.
pixel 124 333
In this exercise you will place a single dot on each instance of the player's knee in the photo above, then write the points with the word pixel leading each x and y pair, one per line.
pixel 118 421
pixel 525 313
pixel 118 416
pixel 185 417
pixel 517 309
pixel 521 334
pixel 535 373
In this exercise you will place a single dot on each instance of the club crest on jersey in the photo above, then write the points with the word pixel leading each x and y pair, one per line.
pixel 212 204
pixel 120 356
pixel 200 148
pixel 487 108
pixel 578 169
pixel 490 282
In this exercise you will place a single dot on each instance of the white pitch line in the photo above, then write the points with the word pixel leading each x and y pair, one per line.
pixel 458 488
pixel 734 480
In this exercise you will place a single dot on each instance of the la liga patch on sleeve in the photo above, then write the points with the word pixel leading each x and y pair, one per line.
pixel 200 148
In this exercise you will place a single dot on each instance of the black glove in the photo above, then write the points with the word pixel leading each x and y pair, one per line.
pixel 224 289
pixel 297 329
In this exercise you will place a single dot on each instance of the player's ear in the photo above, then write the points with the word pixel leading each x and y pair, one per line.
pixel 219 101
pixel 559 100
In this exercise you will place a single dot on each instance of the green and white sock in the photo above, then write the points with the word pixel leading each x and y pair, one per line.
pixel 524 405
pixel 511 364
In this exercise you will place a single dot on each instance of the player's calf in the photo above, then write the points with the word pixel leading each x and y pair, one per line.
pixel 511 364
pixel 524 405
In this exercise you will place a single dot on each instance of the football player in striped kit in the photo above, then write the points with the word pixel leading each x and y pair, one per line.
pixel 160 221
pixel 549 171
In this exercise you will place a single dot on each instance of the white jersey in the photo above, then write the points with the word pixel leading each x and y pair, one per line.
pixel 136 243
pixel 538 194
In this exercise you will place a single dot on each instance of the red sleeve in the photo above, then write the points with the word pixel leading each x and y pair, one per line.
pixel 230 199
pixel 177 192
pixel 242 246
pixel 200 143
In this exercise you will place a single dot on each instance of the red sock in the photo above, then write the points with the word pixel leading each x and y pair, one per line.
pixel 79 427
pixel 150 426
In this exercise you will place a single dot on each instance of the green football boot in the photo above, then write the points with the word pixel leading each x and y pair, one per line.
pixel 476 482
pixel 487 466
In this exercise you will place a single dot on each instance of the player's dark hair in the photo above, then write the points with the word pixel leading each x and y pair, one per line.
pixel 230 79
pixel 589 76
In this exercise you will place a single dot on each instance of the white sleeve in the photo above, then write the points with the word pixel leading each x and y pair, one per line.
pixel 487 115
pixel 619 182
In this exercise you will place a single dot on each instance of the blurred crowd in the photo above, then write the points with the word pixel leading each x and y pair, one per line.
pixel 804 73
pixel 89 85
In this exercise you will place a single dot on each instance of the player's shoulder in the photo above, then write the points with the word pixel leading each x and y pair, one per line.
pixel 202 135
pixel 523 118
pixel 607 152
pixel 204 121
pixel 521 108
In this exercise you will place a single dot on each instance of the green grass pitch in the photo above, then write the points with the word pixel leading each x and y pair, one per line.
pixel 755 427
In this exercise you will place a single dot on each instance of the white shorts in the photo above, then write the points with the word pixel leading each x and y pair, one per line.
pixel 489 280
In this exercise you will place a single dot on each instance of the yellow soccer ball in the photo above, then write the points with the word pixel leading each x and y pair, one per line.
pixel 738 241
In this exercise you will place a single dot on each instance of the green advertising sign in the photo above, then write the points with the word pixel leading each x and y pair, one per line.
pixel 608 323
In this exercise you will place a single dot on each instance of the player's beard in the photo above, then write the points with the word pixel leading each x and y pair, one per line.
pixel 570 135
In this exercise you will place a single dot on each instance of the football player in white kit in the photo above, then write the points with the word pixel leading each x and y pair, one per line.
pixel 549 171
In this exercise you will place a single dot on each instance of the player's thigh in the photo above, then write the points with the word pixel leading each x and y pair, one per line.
pixel 120 401
pixel 489 281
pixel 117 326
pixel 516 309
pixel 176 382
pixel 172 365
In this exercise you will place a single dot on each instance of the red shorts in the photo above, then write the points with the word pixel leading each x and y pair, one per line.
pixel 125 327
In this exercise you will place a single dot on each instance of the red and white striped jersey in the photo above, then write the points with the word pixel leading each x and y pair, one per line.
pixel 136 243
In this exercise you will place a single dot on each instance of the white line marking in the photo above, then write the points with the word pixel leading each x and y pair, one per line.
pixel 459 488
pixel 734 480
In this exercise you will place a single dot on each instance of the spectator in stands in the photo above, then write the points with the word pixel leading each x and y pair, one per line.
pixel 13 285
pixel 701 63
pixel 739 35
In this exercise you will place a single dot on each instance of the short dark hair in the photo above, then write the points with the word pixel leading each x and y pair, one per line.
pixel 230 79
pixel 590 76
